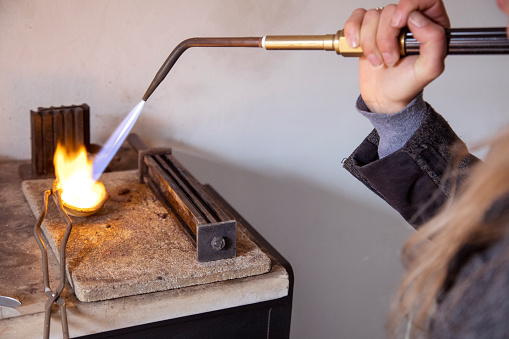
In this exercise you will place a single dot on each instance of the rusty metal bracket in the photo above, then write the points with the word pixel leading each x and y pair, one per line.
pixel 69 125
pixel 212 230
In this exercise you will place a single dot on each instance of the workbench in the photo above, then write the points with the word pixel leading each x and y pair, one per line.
pixel 252 307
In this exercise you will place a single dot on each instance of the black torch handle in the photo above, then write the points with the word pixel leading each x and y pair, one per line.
pixel 464 41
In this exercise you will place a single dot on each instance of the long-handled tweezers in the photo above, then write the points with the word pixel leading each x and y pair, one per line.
pixel 54 296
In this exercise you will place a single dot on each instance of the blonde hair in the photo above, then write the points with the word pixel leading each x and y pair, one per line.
pixel 429 252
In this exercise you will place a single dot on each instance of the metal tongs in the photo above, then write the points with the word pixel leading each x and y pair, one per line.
pixel 56 295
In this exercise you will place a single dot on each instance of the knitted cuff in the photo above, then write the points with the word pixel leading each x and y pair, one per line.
pixel 395 129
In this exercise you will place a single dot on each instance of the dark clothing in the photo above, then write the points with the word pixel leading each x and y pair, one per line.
pixel 477 305
pixel 413 181
pixel 412 178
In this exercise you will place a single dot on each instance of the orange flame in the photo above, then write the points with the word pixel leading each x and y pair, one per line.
pixel 74 178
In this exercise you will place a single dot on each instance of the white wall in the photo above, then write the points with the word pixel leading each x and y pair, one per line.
pixel 267 129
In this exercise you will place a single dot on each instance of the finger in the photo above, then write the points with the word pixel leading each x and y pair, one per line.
pixel 433 9
pixel 368 37
pixel 352 27
pixel 387 37
pixel 433 47
pixel 504 6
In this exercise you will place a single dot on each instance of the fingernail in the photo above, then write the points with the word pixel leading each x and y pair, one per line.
pixel 352 41
pixel 397 19
pixel 388 59
pixel 374 60
pixel 418 19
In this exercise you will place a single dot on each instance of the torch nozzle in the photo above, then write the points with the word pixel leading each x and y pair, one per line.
pixel 197 42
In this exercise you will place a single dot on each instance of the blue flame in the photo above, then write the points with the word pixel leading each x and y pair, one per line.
pixel 111 147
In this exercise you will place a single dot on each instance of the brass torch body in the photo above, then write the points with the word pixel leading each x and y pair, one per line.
pixel 328 42
pixel 460 41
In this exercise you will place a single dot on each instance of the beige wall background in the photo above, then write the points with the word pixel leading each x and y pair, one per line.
pixel 267 129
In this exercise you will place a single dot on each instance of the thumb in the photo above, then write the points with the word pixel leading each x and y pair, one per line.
pixel 433 49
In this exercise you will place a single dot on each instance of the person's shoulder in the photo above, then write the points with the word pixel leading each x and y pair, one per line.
pixel 477 305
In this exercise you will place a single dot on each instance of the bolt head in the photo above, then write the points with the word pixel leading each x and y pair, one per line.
pixel 218 243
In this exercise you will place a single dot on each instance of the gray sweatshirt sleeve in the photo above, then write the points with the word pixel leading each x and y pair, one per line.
pixel 395 129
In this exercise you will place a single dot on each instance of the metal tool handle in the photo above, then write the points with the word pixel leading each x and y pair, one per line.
pixel 459 41
pixel 465 41
pixel 56 295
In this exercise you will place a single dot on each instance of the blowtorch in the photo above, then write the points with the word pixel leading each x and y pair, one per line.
pixel 460 41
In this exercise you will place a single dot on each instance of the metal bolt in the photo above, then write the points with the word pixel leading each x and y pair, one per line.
pixel 218 243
